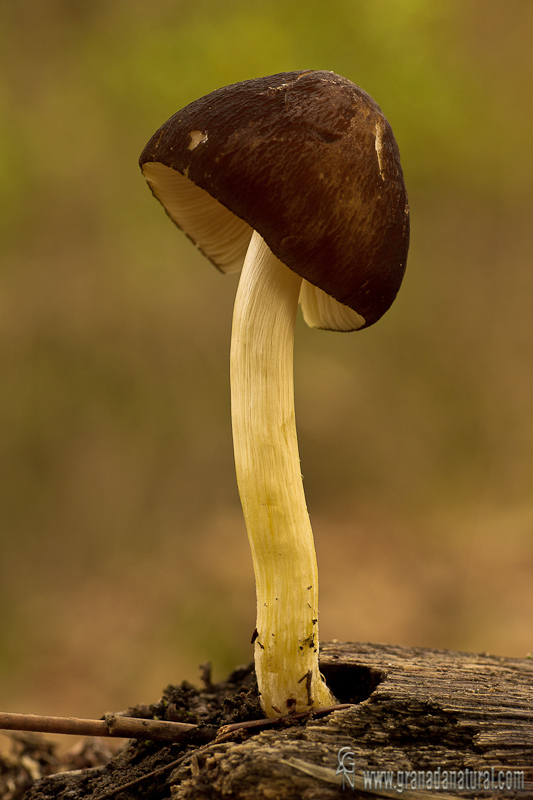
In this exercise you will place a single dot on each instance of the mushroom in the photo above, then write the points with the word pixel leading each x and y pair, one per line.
pixel 294 178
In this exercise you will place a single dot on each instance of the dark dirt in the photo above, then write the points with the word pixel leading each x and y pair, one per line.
pixel 34 770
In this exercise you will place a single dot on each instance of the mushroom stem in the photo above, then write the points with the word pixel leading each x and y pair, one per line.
pixel 270 485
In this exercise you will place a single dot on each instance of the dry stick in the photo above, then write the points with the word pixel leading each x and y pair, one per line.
pixel 276 722
pixel 135 728
pixel 111 725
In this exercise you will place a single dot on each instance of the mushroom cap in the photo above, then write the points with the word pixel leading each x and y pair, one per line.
pixel 308 160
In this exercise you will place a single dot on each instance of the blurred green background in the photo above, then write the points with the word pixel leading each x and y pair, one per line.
pixel 124 561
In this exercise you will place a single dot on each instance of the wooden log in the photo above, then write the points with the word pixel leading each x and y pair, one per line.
pixel 448 723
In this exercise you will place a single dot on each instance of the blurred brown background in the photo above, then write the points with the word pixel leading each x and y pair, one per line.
pixel 124 561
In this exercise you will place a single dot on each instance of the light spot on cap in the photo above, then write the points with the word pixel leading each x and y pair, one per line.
pixel 378 144
pixel 197 137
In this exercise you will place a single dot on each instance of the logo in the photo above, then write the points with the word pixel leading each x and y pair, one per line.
pixel 346 766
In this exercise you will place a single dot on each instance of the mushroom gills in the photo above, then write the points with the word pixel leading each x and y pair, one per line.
pixel 320 310
pixel 216 231
pixel 224 238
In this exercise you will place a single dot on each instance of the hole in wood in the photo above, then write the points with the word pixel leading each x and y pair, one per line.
pixel 351 683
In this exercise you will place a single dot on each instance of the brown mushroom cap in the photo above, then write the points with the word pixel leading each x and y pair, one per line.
pixel 308 160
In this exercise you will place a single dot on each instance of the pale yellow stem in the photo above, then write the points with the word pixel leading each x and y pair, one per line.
pixel 270 485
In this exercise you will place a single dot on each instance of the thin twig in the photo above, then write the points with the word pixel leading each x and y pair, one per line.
pixel 272 722
pixel 111 725
pixel 135 728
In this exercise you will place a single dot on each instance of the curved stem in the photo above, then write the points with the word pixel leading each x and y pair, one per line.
pixel 270 485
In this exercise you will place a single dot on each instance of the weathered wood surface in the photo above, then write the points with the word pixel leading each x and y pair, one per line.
pixel 430 710
pixel 428 716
